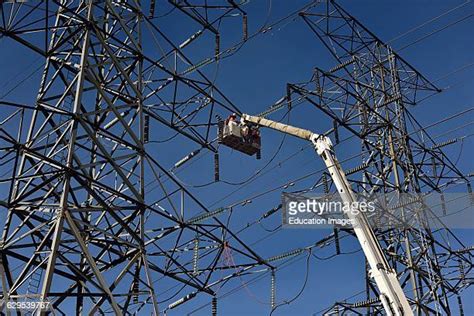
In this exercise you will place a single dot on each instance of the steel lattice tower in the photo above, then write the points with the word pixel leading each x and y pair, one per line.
pixel 80 230
pixel 369 94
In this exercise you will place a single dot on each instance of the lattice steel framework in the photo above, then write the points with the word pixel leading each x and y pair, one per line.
pixel 80 230
pixel 369 94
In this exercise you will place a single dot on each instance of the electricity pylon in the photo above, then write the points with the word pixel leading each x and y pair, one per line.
pixel 81 232
pixel 369 94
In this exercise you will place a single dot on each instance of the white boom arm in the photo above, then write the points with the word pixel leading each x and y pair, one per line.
pixel 392 297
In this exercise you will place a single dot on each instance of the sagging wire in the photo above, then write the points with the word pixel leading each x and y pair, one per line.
pixel 288 302
pixel 249 179
pixel 229 259
pixel 292 257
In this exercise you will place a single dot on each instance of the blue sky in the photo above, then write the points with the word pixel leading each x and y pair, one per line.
pixel 254 78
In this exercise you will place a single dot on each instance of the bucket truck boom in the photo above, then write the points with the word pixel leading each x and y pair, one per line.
pixel 392 296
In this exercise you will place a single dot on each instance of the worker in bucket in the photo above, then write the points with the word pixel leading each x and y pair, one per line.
pixel 255 135
pixel 232 119
pixel 245 132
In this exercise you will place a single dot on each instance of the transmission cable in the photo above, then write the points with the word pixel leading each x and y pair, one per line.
pixel 436 31
pixel 288 302
pixel 429 21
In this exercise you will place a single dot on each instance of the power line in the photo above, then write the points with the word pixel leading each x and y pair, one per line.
pixel 429 21
pixel 436 32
